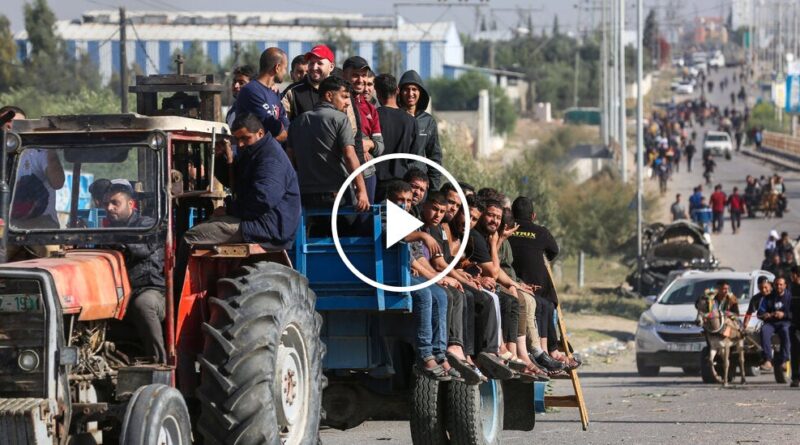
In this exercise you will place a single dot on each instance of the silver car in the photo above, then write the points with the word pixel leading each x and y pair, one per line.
pixel 668 333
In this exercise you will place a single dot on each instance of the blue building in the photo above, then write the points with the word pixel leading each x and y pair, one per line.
pixel 153 37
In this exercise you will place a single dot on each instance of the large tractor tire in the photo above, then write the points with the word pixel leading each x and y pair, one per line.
pixel 428 398
pixel 261 368
pixel 475 413
pixel 156 414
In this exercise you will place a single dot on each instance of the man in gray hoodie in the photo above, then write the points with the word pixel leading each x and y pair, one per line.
pixel 414 99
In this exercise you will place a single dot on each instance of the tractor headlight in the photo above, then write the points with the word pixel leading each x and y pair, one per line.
pixel 28 360
pixel 157 140
pixel 13 142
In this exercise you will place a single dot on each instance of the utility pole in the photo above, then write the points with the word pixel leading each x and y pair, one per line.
pixel 622 118
pixel 123 63
pixel 234 46
pixel 614 96
pixel 578 43
pixel 639 136
pixel 604 63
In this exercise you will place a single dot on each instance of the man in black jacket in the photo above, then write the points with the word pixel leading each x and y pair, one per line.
pixel 145 265
pixel 414 99
pixel 399 131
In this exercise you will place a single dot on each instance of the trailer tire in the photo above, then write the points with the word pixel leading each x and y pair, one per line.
pixel 261 367
pixel 475 413
pixel 427 411
pixel 156 414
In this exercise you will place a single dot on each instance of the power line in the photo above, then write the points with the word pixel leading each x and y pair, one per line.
pixel 144 48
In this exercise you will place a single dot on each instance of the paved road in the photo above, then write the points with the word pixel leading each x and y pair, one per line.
pixel 672 408
pixel 743 251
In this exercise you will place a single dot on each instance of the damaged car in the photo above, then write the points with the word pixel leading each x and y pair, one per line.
pixel 667 248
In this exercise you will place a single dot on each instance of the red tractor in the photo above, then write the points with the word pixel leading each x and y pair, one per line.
pixel 244 354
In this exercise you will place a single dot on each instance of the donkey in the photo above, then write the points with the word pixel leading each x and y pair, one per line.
pixel 721 333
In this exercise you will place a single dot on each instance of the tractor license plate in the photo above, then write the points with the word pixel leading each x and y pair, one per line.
pixel 685 347
pixel 20 303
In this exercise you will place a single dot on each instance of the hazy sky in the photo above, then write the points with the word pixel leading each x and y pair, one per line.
pixel 505 12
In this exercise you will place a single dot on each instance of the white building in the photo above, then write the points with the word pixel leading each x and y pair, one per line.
pixel 153 36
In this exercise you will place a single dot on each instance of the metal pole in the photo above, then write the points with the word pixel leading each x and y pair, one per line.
pixel 604 63
pixel 622 118
pixel 639 137
pixel 123 63
pixel 581 269
pixel 614 69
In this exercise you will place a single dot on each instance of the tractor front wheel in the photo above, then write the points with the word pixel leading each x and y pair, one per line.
pixel 261 368
pixel 156 414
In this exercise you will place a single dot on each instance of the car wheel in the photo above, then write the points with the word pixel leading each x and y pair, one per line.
pixel 691 370
pixel 645 370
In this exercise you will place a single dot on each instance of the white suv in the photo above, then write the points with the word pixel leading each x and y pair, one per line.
pixel 668 334
pixel 718 143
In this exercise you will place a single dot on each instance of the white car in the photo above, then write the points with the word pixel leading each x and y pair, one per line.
pixel 668 334
pixel 684 88
pixel 718 143
pixel 718 60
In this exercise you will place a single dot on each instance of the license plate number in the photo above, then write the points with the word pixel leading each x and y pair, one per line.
pixel 19 303
pixel 685 347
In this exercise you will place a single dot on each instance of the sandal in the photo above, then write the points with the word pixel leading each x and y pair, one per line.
pixel 513 363
pixel 453 373
pixel 471 376
pixel 571 363
pixel 538 372
pixel 494 367
pixel 436 373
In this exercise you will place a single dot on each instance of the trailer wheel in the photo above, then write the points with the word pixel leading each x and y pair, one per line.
pixel 156 414
pixel 427 411
pixel 475 413
pixel 261 379
pixel 780 373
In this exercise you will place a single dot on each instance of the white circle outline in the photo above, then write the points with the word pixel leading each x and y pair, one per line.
pixel 335 229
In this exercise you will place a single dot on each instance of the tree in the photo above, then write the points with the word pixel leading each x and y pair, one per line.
pixel 8 52
pixel 462 94
pixel 556 30
pixel 40 22
pixel 338 40
pixel 650 37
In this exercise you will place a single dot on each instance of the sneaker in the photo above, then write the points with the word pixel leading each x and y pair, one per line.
pixel 545 361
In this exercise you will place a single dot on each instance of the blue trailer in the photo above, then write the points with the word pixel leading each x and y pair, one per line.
pixel 369 337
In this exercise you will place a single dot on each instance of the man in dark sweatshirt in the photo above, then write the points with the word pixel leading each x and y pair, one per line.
pixel 265 206
pixel 414 99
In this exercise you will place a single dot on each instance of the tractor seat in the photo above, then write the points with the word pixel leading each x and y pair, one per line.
pixel 269 252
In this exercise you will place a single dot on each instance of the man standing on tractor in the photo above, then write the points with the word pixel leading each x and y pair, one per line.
pixel 259 98
pixel 145 265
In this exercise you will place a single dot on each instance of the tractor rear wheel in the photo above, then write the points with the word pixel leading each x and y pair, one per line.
pixel 156 414
pixel 475 413
pixel 261 368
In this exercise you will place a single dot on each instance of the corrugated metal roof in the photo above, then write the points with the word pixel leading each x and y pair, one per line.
pixel 406 31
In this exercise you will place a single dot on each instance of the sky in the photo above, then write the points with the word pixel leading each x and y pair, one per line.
pixel 505 12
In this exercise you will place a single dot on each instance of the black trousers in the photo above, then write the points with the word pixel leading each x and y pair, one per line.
pixel 485 338
pixel 455 317
pixel 794 362
pixel 509 314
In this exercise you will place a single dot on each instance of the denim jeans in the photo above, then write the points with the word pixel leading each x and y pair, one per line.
pixel 429 306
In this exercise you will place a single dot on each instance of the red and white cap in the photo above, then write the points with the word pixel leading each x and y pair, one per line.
pixel 322 52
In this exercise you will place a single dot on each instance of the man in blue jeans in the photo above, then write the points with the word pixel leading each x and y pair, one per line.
pixel 774 311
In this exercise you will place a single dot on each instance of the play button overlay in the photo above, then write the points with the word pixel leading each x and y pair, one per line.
pixel 399 223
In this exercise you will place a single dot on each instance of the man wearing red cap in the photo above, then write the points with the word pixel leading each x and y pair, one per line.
pixel 305 95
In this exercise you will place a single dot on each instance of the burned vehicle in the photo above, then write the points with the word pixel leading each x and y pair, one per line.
pixel 680 245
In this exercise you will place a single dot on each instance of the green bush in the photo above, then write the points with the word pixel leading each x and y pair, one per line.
pixel 763 115
pixel 462 94
pixel 37 104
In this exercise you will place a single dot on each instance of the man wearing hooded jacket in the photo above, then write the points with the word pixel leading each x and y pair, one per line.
pixel 414 99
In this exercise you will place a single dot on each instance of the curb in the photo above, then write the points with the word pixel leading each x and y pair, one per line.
pixel 776 160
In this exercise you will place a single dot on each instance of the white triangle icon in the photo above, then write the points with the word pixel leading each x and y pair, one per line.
pixel 399 223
